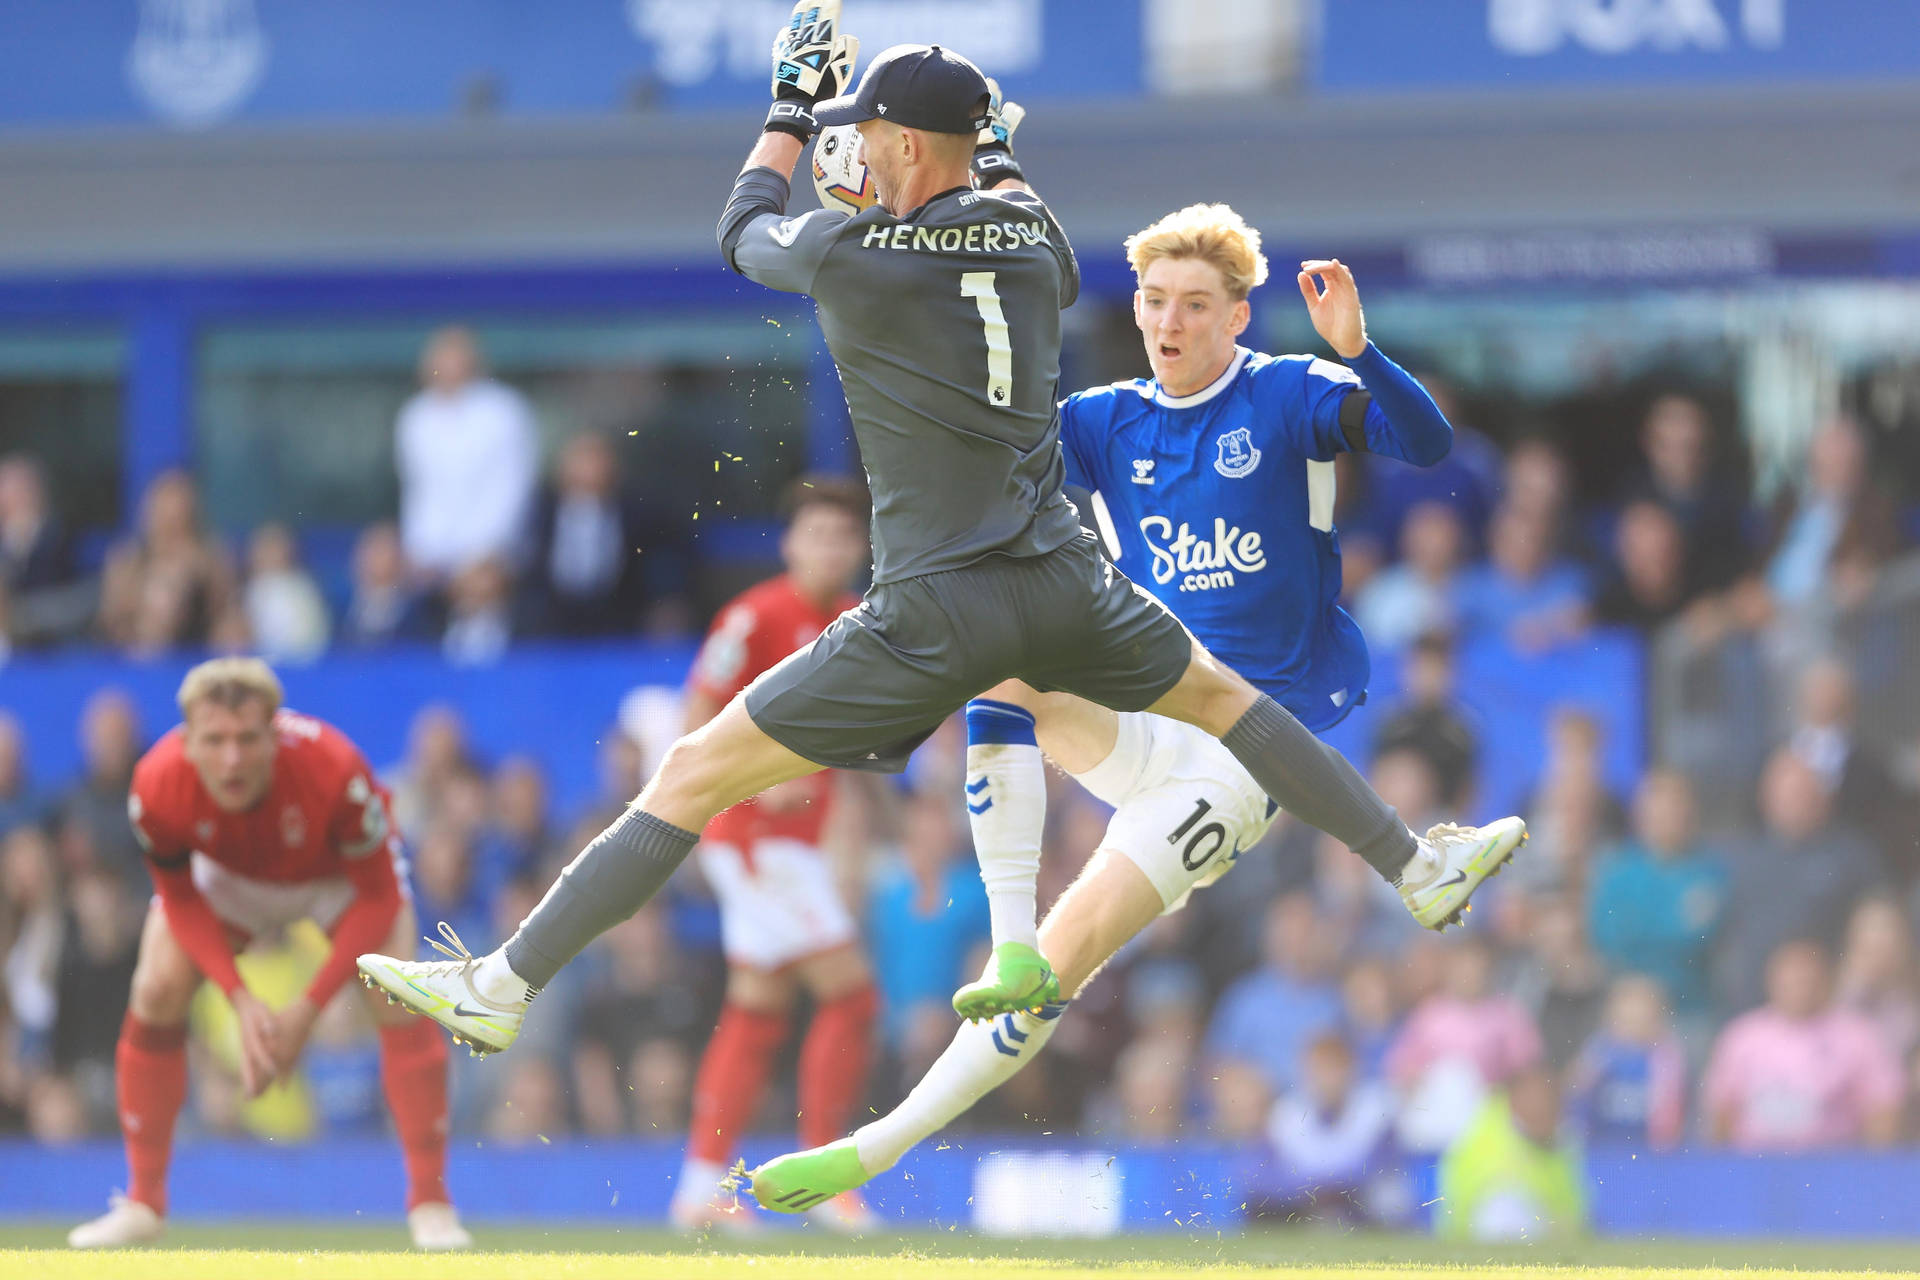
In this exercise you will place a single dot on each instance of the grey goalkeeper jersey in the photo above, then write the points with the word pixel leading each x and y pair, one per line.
pixel 945 326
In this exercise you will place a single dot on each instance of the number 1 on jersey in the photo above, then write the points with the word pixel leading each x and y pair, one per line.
pixel 978 285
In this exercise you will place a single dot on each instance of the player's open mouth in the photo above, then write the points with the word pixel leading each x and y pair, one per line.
pixel 1171 353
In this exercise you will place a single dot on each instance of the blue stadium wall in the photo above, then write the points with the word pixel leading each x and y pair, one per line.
pixel 1181 1187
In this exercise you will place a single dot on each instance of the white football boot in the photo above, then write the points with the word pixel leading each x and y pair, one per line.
pixel 1460 860
pixel 443 990
pixel 435 1226
pixel 124 1224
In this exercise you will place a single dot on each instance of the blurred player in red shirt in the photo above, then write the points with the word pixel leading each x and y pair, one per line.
pixel 253 817
pixel 783 924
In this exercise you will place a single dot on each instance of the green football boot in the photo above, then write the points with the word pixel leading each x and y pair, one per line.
pixel 796 1183
pixel 1016 977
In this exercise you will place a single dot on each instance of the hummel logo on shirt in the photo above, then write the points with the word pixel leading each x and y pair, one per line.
pixel 1143 470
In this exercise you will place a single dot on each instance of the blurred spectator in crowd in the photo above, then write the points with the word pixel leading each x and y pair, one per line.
pixel 1561 979
pixel 926 915
pixel 385 607
pixel 1629 1084
pixel 284 608
pixel 516 836
pixel 651 1001
pixel 480 615
pixel 594 556
pixel 468 454
pixel 1859 782
pixel 1878 980
pixel 1649 583
pixel 1238 1103
pixel 19 802
pixel 532 1104
pixel 1525 592
pixel 1460 1042
pixel 47 596
pixel 1535 484
pixel 1149 1099
pixel 33 928
pixel 1369 1016
pixel 1572 813
pixel 1330 1135
pixel 1706 499
pixel 1430 720
pixel 437 754
pixel 35 551
pixel 93 824
pixel 1467 480
pixel 168 584
pixel 1355 905
pixel 1421 592
pixel 96 972
pixel 56 1113
pixel 1801 1073
pixel 443 880
pixel 1799 878
pixel 1834 531
pixel 1266 1019
pixel 1513 1174
pixel 1657 897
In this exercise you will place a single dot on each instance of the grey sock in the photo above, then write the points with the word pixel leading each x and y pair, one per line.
pixel 611 879
pixel 1314 783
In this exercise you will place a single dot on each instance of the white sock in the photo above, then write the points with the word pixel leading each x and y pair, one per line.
pixel 1007 809
pixel 982 1057
pixel 699 1181
pixel 496 981
pixel 1422 867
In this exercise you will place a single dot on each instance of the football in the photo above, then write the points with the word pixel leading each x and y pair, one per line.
pixel 839 177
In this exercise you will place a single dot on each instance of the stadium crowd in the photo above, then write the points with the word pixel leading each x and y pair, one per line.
pixel 1662 968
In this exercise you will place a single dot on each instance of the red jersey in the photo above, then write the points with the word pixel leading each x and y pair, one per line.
pixel 323 817
pixel 758 628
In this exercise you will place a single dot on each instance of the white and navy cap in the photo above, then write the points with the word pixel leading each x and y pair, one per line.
pixel 917 86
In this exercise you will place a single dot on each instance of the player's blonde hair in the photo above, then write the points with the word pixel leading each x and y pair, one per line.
pixel 1211 232
pixel 230 682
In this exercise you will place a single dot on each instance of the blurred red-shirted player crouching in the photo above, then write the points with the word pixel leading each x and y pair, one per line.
pixel 783 925
pixel 253 817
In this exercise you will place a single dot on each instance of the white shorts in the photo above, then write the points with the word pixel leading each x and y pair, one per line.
pixel 782 907
pixel 260 908
pixel 1184 808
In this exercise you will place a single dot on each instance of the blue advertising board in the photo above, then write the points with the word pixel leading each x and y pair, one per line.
pixel 198 63
pixel 1376 45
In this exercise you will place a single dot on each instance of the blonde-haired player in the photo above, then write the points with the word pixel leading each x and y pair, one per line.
pixel 1214 480
pixel 253 817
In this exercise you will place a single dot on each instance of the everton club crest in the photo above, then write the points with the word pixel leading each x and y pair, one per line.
pixel 196 61
pixel 1237 457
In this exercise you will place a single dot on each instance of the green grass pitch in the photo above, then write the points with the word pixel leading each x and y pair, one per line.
pixel 255 1251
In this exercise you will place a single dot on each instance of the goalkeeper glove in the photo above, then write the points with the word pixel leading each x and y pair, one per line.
pixel 812 60
pixel 993 160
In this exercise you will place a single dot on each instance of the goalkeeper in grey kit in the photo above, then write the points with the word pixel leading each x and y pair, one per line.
pixel 941 306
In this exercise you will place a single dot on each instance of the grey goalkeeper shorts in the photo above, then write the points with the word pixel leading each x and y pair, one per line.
pixel 885 675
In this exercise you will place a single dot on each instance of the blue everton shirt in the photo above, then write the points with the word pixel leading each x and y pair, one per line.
pixel 1221 503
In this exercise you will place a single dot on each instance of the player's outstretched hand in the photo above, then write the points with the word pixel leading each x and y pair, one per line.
pixel 259 1063
pixel 812 59
pixel 1005 118
pixel 993 161
pixel 1333 303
